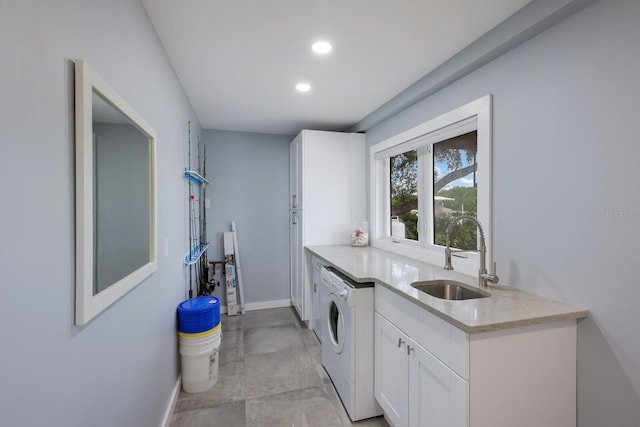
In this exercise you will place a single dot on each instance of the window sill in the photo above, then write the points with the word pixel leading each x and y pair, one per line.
pixel 468 265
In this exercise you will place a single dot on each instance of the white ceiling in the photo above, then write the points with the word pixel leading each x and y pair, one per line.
pixel 239 60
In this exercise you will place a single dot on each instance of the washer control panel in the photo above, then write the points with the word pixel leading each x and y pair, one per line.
pixel 336 284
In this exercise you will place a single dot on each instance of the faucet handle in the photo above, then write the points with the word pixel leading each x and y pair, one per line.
pixel 493 277
pixel 447 259
pixel 488 277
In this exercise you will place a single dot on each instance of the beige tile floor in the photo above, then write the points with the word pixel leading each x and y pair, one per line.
pixel 270 374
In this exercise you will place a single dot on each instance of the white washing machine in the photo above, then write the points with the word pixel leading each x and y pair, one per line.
pixel 347 341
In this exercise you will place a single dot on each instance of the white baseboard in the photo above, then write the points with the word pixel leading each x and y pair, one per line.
pixel 168 413
pixel 262 305
pixel 268 304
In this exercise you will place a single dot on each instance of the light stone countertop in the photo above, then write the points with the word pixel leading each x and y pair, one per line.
pixel 507 307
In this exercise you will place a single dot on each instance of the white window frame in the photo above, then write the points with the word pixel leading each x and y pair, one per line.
pixel 475 115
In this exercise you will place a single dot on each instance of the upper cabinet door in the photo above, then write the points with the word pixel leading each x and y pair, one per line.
pixel 295 173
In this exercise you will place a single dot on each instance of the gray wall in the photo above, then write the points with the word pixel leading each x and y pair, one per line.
pixel 120 368
pixel 250 185
pixel 566 203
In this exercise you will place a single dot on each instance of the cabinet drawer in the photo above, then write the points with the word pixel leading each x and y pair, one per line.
pixel 446 342
pixel 402 313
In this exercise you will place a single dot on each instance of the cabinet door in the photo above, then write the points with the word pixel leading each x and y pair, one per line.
pixel 296 261
pixel 391 381
pixel 295 173
pixel 315 297
pixel 332 185
pixel 437 396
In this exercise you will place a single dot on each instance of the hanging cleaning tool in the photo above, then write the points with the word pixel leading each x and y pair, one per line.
pixel 204 263
pixel 190 245
pixel 191 234
pixel 236 249
pixel 230 273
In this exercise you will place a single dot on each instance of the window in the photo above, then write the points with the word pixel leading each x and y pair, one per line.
pixel 403 182
pixel 455 184
pixel 429 174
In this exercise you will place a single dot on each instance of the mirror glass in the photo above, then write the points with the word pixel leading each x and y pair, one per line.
pixel 115 196
pixel 120 196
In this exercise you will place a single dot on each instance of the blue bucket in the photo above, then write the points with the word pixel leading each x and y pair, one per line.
pixel 198 314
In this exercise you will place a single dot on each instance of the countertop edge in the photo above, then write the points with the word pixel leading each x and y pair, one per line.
pixel 568 314
pixel 470 329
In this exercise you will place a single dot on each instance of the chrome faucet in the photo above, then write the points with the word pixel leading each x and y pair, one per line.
pixel 483 276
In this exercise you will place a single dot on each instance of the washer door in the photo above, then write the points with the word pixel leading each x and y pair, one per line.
pixel 335 324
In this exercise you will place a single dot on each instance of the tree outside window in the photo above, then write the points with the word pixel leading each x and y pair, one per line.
pixel 453 190
pixel 404 192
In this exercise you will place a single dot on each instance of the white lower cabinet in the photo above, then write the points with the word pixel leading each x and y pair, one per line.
pixel 437 396
pixel 431 373
pixel 412 386
pixel 316 316
pixel 391 371
pixel 296 263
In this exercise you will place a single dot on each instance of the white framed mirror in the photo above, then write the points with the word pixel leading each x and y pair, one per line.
pixel 116 226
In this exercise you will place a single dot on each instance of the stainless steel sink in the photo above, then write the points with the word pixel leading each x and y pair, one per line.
pixel 449 290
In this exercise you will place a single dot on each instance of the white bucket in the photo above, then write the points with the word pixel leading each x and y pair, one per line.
pixel 200 372
pixel 190 345
pixel 202 336
pixel 200 358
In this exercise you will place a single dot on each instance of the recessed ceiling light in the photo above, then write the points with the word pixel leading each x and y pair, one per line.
pixel 321 47
pixel 303 87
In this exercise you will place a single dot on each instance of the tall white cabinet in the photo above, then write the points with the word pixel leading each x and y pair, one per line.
pixel 326 199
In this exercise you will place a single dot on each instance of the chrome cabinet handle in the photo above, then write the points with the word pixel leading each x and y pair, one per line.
pixel 294 200
pixel 294 217
pixel 409 349
pixel 400 342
